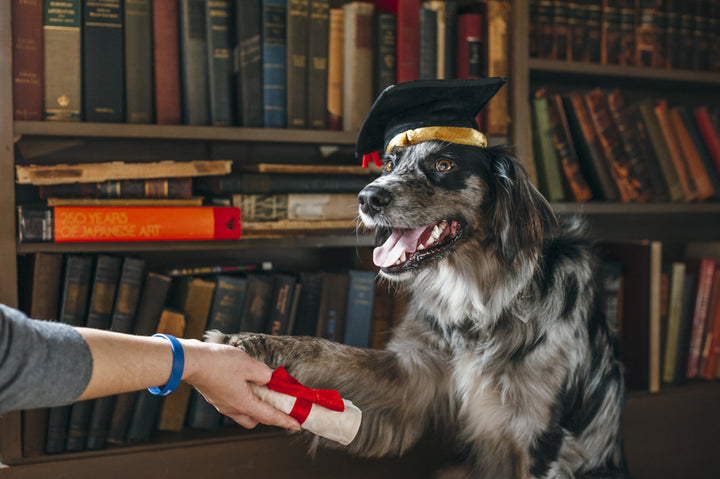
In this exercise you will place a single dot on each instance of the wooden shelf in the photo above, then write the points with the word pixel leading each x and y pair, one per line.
pixel 181 132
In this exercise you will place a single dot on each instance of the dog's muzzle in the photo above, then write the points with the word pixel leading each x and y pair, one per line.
pixel 373 199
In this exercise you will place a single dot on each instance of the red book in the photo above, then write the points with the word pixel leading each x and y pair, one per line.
pixel 710 136
pixel 62 224
pixel 711 350
pixel 706 273
pixel 471 51
pixel 166 62
pixel 408 36
pixel 27 55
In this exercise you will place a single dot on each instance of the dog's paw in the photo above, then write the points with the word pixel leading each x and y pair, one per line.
pixel 259 346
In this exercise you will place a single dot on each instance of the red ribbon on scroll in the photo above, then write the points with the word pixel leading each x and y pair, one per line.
pixel 374 157
pixel 283 382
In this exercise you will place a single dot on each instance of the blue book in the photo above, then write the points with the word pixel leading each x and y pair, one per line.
pixel 361 292
pixel 103 62
pixel 220 33
pixel 274 39
pixel 193 62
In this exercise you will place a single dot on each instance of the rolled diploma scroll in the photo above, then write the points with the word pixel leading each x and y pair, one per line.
pixel 337 426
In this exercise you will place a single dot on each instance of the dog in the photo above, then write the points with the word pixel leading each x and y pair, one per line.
pixel 503 340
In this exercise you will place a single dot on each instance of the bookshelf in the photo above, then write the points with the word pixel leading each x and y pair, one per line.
pixel 656 446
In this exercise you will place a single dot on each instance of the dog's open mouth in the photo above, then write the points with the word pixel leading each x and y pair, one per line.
pixel 406 248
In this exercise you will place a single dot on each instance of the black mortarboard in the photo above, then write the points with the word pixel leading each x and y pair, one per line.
pixel 425 110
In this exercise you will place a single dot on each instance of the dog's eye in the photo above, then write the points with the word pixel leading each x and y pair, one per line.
pixel 444 165
pixel 389 165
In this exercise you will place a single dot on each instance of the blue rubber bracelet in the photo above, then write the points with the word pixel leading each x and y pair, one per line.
pixel 177 367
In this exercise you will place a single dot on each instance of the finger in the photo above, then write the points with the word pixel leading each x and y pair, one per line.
pixel 245 421
pixel 267 414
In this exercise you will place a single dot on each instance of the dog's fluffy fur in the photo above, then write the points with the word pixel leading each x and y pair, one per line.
pixel 503 339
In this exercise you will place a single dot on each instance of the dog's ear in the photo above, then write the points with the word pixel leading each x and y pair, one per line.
pixel 518 216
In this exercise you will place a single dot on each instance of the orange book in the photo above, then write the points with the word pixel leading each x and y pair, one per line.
pixel 116 223
pixel 681 166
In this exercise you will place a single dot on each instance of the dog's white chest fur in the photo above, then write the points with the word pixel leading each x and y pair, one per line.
pixel 476 393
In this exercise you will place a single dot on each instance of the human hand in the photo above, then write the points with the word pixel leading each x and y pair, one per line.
pixel 222 374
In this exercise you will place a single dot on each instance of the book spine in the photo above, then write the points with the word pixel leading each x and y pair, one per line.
pixel 280 305
pixel 428 44
pixel 701 148
pixel 696 168
pixel 73 310
pixel 709 133
pixel 357 64
pixel 282 183
pixel 336 43
pixel 166 62
pixel 317 79
pixel 451 34
pixel 561 29
pixel 361 292
pixel 220 19
pixel 645 43
pixel 712 342
pixel 257 207
pixel 577 17
pixel 611 31
pixel 408 40
pixel 257 303
pixel 138 61
pixel 62 63
pixel 384 57
pixel 143 223
pixel 594 31
pixel 297 62
pixel 681 167
pixel 701 35
pixel 249 63
pixel 497 112
pixel 549 171
pixel 102 297
pixel 322 206
pixel 470 46
pixel 673 41
pixel 309 304
pixel 714 35
pixel 170 188
pixel 274 40
pixel 333 306
pixel 27 59
pixel 545 28
pixel 627 32
pixel 706 274
pixel 686 35
pixel 103 62
pixel 193 62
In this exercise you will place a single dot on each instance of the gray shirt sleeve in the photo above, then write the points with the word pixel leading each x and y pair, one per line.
pixel 42 363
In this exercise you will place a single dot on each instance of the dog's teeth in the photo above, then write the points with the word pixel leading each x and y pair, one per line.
pixel 403 258
pixel 421 247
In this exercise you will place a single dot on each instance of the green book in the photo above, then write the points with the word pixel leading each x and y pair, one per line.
pixel 548 166
pixel 62 60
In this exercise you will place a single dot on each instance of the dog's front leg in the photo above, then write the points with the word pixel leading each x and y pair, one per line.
pixel 398 396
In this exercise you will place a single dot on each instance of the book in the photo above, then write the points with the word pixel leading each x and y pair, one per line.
pixel 27 59
pixel 611 147
pixel 357 64
pixel 174 188
pixel 548 166
pixel 103 62
pixel 451 35
pixel 201 270
pixel 73 309
pixel 309 304
pixel 700 147
pixel 711 348
pixel 333 306
pixel 297 206
pixel 696 167
pixel 560 29
pixel 471 58
pixel 117 170
pixel 627 32
pixel 593 167
pixel 148 407
pixel 43 304
pixel 166 62
pixel 227 304
pixel 274 54
pixel 361 294
pixel 640 345
pixel 139 61
pixel 705 271
pixel 709 133
pixel 677 279
pixel 428 43
pixel 149 310
pixel 636 124
pixel 611 32
pixel 99 315
pixel 384 56
pixel 336 62
pixel 122 321
pixel 575 186
pixel 197 201
pixel 329 169
pixel 440 8
pixel 193 62
pixel 61 224
pixel 250 183
pixel 62 65
pixel 257 303
pixel 661 150
pixel 408 36
pixel 194 299
pixel 317 73
pixel 645 41
pixel 681 167
pixel 220 22
pixel 497 111
pixel 281 301
pixel 249 63
pixel 298 34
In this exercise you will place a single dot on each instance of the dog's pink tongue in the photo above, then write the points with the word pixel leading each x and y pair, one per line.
pixel 399 242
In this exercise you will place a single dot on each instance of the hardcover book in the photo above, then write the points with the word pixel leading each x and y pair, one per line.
pixel 194 62
pixel 333 306
pixel 298 35
pixel 309 304
pixel 336 47
pixel 280 183
pixel 548 166
pixel 257 303
pixel 408 36
pixel 139 61
pixel 166 62
pixel 249 63
pixel 220 36
pixel 317 79
pixel 361 293
pixel 357 65
pixel 384 56
pixel 274 52
pixel 281 304
pixel 62 64
pixel 168 188
pixel 27 59
pixel 103 62
pixel 497 111
pixel 428 43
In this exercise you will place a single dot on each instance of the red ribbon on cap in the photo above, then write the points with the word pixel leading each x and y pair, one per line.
pixel 374 157
pixel 283 382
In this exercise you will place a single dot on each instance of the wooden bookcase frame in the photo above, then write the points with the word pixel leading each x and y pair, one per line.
pixel 260 453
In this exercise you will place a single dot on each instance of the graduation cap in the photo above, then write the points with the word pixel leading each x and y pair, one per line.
pixel 412 112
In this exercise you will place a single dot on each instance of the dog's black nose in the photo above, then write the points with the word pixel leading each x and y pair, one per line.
pixel 373 199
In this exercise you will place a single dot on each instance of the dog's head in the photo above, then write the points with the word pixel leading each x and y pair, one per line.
pixel 436 200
